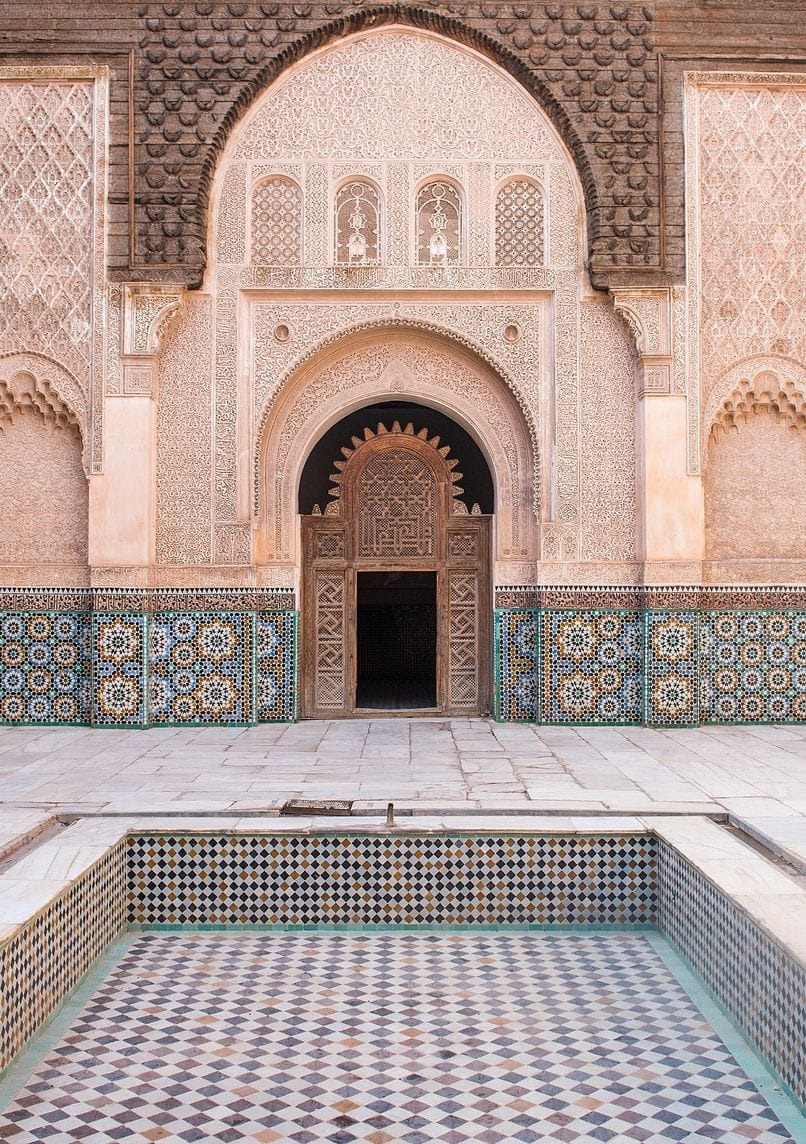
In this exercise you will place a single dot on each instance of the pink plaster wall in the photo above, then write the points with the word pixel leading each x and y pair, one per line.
pixel 755 491
pixel 43 492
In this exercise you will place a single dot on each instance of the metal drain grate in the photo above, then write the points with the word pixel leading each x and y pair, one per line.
pixel 306 806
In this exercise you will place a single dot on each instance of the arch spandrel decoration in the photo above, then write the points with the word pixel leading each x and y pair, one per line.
pixel 537 59
pixel 406 101
pixel 371 367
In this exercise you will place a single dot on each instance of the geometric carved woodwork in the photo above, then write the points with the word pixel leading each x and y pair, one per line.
pixel 397 507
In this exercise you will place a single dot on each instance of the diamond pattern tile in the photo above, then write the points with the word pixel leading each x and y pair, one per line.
pixel 198 879
pixel 391 1037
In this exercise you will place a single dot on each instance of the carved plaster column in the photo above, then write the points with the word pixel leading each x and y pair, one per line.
pixel 670 505
pixel 122 498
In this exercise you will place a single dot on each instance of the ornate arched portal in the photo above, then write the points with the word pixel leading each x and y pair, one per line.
pixel 394 512
pixel 406 365
pixel 396 583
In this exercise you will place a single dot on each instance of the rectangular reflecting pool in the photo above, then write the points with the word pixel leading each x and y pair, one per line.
pixel 500 979
pixel 384 1036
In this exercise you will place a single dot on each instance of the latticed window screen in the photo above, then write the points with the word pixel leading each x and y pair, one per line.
pixel 397 505
pixel 277 223
pixel 519 224
pixel 358 224
pixel 439 225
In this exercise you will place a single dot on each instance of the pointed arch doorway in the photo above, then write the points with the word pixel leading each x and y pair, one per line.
pixel 396 597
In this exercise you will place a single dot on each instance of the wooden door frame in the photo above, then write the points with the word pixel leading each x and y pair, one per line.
pixel 351 642
pixel 458 550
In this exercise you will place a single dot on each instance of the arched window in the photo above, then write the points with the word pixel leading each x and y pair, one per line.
pixel 439 224
pixel 358 224
pixel 519 224
pixel 277 222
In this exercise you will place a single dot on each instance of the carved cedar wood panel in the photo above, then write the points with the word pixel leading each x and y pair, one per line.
pixel 397 505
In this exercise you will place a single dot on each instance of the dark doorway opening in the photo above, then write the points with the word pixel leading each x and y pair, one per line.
pixel 396 640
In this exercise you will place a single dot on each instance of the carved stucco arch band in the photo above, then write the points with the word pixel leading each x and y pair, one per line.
pixel 766 381
pixel 402 15
pixel 389 326
pixel 413 366
pixel 33 379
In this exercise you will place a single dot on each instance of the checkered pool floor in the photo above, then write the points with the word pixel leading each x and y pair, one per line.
pixel 380 1037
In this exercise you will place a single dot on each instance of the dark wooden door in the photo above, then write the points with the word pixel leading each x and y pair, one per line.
pixel 398 509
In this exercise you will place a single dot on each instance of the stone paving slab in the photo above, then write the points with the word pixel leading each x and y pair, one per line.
pixel 756 774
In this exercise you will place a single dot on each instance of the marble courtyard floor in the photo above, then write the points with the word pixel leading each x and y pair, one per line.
pixel 755 774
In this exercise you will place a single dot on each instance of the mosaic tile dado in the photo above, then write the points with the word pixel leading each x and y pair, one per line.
pixel 667 667
pixel 671 664
pixel 686 667
pixel 45 668
pixel 201 667
pixel 41 963
pixel 758 983
pixel 495 1037
pixel 276 647
pixel 516 659
pixel 371 880
pixel 591 667
pixel 119 665
pixel 753 667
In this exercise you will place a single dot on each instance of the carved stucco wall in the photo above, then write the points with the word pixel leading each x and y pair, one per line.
pixel 607 449
pixel 746 204
pixel 43 492
pixel 52 169
pixel 755 491
pixel 184 436
pixel 747 315
pixel 270 320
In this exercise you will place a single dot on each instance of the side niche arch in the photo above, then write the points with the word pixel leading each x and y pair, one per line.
pixel 379 364
pixel 43 465
pixel 754 477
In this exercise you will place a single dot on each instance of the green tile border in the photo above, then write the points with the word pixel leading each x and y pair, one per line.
pixel 776 1092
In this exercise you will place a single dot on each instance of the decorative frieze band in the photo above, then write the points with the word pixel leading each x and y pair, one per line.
pixel 146 599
